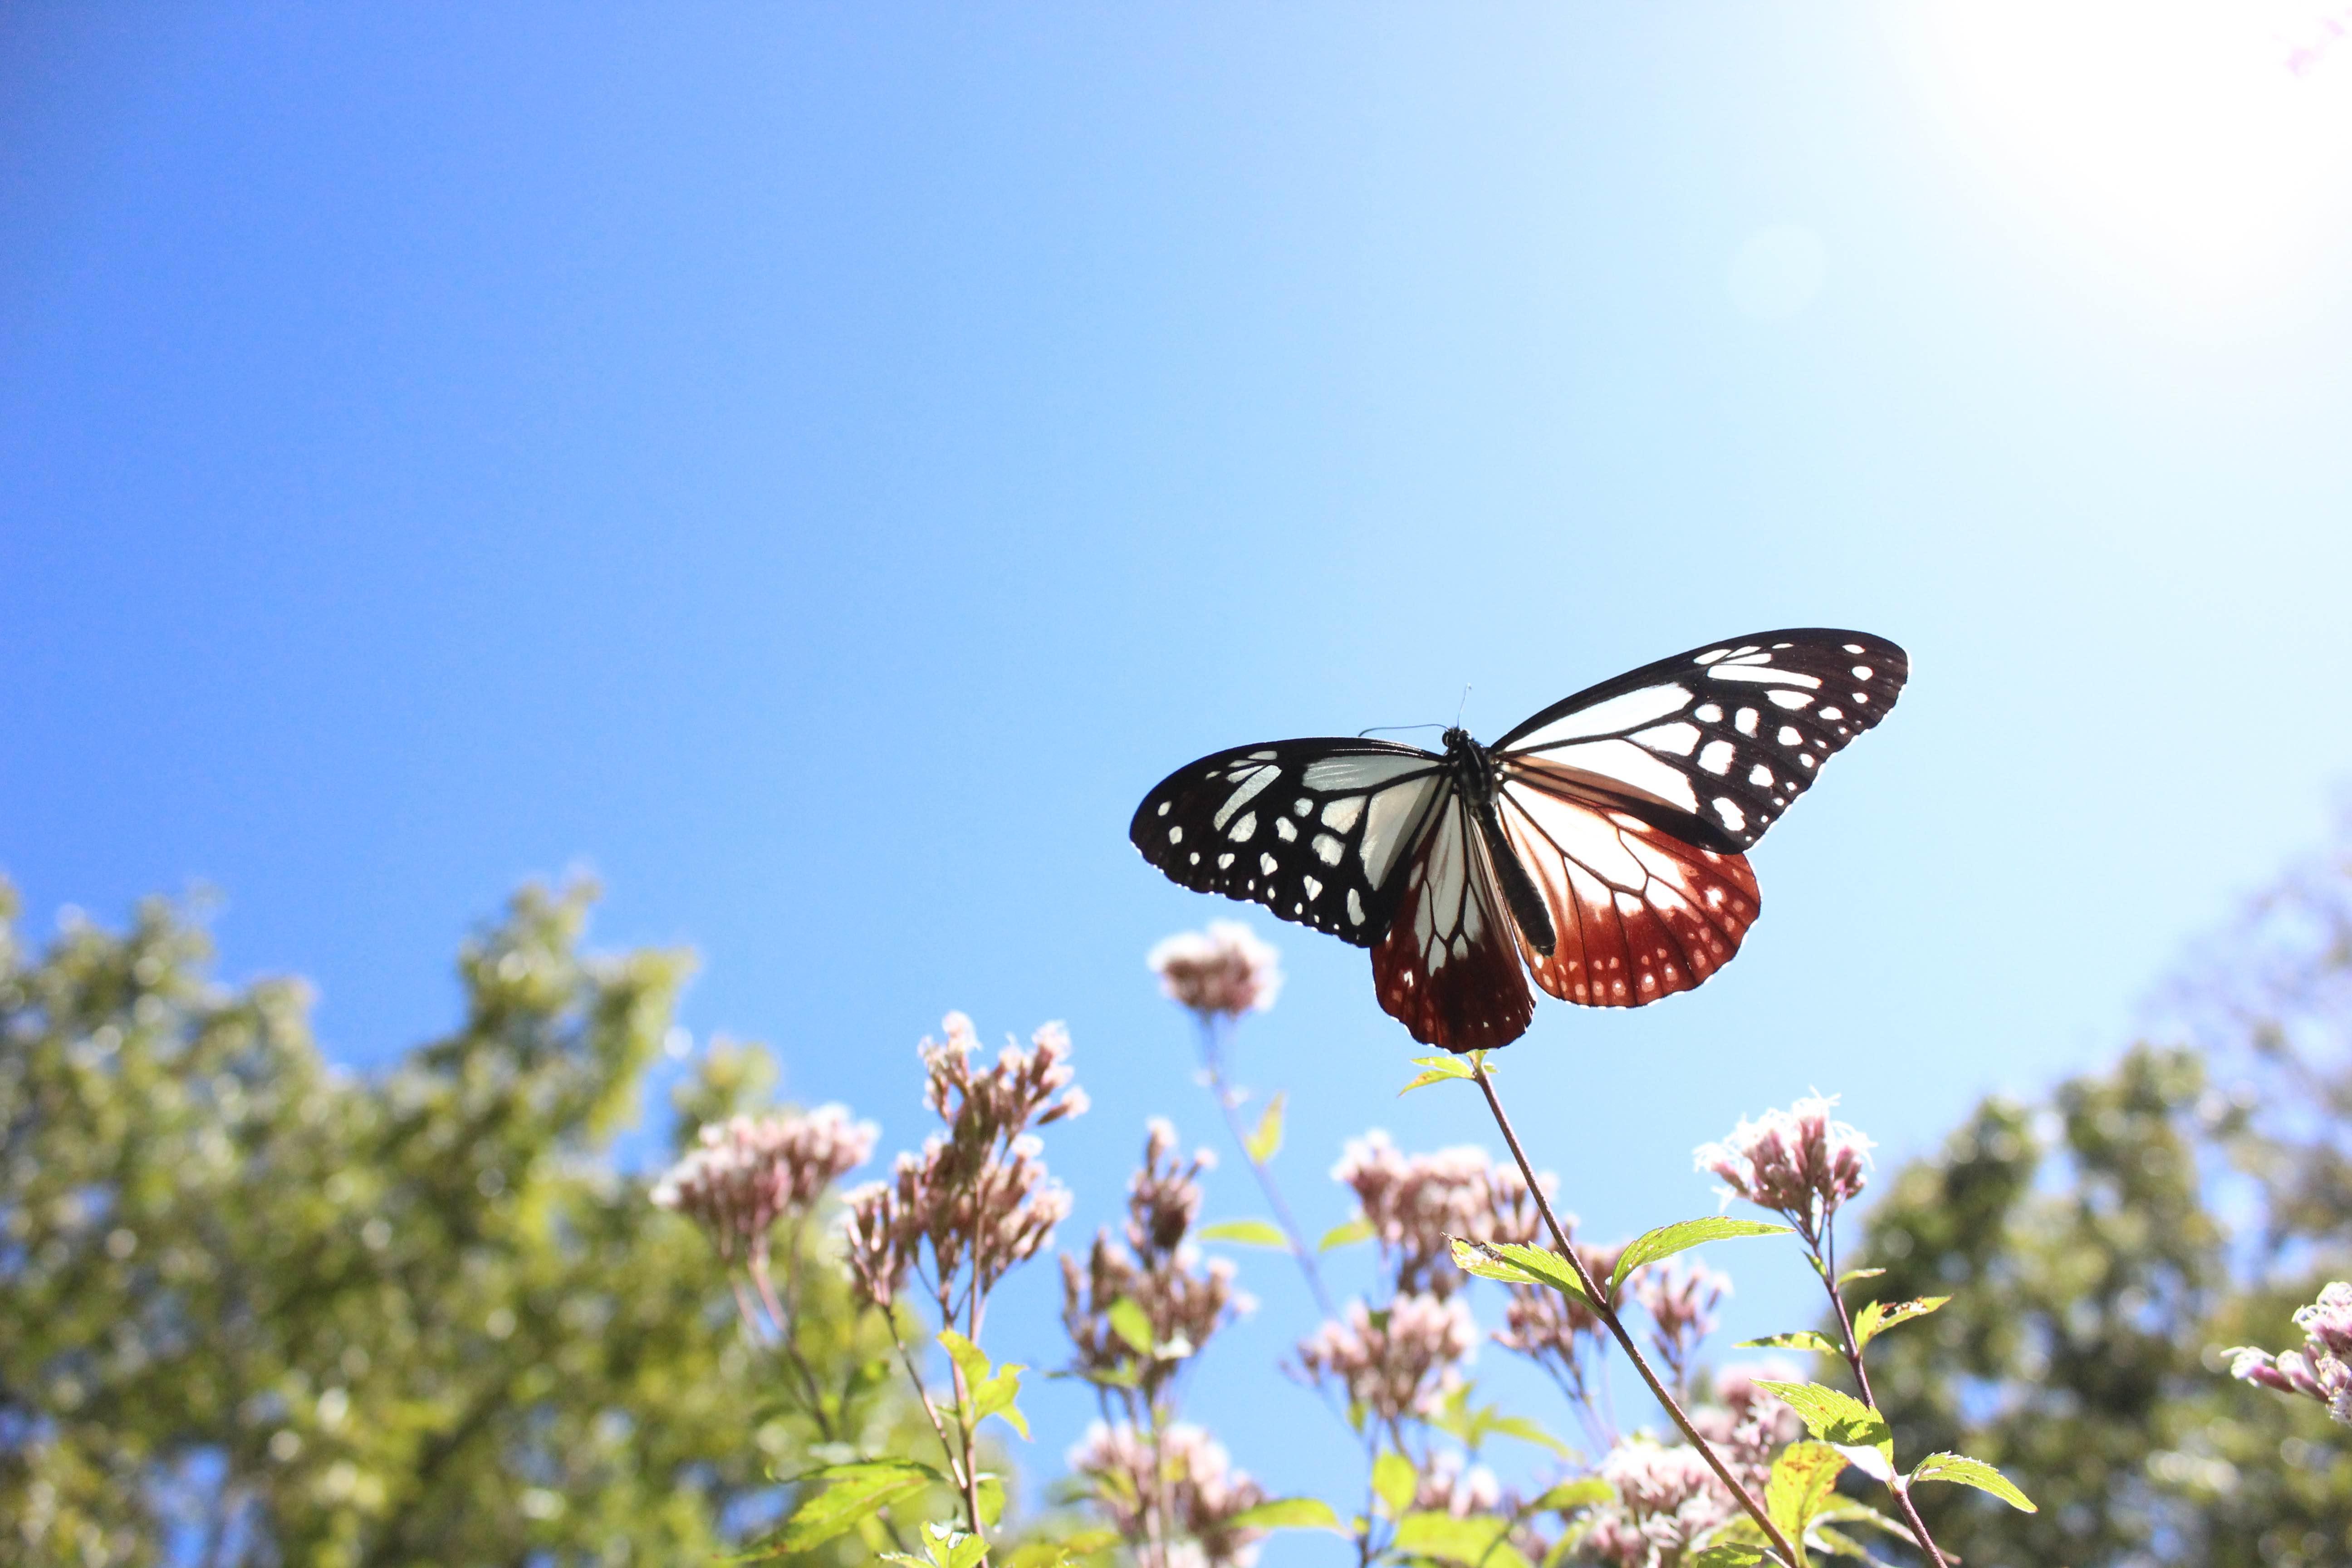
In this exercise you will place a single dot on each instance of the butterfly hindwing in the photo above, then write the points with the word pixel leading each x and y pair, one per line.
pixel 1713 745
pixel 1448 968
pixel 1318 831
pixel 1637 913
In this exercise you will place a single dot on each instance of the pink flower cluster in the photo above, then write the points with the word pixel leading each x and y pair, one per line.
pixel 1177 1505
pixel 2322 1370
pixel 978 1193
pixel 1668 1498
pixel 1415 1202
pixel 743 1175
pixel 1401 1361
pixel 1222 972
pixel 1156 1269
pixel 1681 1302
pixel 1796 1163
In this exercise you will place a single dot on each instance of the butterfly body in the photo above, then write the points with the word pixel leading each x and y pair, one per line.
pixel 1600 844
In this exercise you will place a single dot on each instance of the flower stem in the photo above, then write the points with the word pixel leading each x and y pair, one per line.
pixel 1599 1298
pixel 1825 1263
pixel 1213 1063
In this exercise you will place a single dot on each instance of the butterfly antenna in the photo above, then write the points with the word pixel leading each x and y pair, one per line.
pixel 1379 729
pixel 1466 705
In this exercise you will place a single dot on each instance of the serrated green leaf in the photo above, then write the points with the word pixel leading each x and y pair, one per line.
pixel 1267 1143
pixel 1517 1265
pixel 855 1490
pixel 1650 1246
pixel 1248 1232
pixel 1851 1275
pixel 1468 1542
pixel 996 1396
pixel 1878 1318
pixel 1801 1340
pixel 1060 1552
pixel 1288 1513
pixel 1528 1430
pixel 1974 1473
pixel 1801 1480
pixel 991 1497
pixel 1132 1324
pixel 1355 1230
pixel 1840 1419
pixel 1569 1495
pixel 963 1551
pixel 969 1359
pixel 1395 1482
pixel 1728 1557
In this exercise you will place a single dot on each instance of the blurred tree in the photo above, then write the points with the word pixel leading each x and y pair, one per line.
pixel 256 1309
pixel 2102 1250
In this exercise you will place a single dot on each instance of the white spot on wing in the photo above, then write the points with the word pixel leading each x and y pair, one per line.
pixel 1283 829
pixel 1681 739
pixel 1862 672
pixel 1708 713
pixel 1729 809
pixel 1716 758
pixel 1362 772
pixel 1329 850
pixel 1709 657
pixel 1832 714
pixel 1355 908
pixel 1744 721
pixel 1793 700
pixel 1314 889
pixel 1164 806
pixel 1618 714
pixel 1250 783
pixel 1789 736
pixel 1763 674
pixel 1240 831
pixel 1176 835
pixel 1760 776
pixel 1853 648
pixel 1267 863
pixel 1341 814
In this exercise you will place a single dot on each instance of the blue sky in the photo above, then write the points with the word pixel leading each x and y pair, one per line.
pixel 817 466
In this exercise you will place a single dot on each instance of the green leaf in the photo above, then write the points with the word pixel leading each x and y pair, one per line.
pixel 1878 1318
pixel 1355 1230
pixel 1394 1482
pixel 1974 1473
pixel 1840 1419
pixel 1132 1324
pixel 1803 1340
pixel 1800 1482
pixel 1851 1275
pixel 969 1358
pixel 1728 1557
pixel 1669 1239
pixel 1288 1513
pixel 1466 1541
pixel 1248 1233
pixel 1568 1496
pixel 996 1396
pixel 1517 1265
pixel 1435 1069
pixel 1267 1143
pixel 857 1490
pixel 1528 1431
pixel 1062 1552
pixel 991 1496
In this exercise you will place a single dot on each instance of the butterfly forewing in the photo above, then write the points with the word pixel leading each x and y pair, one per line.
pixel 1637 912
pixel 1448 968
pixel 1320 832
pixel 1713 745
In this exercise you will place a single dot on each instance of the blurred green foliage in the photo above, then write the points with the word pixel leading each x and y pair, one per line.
pixel 2103 1248
pixel 254 1309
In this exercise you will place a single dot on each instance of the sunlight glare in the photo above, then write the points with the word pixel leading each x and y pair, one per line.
pixel 2196 156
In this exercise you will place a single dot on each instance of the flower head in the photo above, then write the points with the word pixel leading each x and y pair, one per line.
pixel 1189 1483
pixel 1796 1163
pixel 1681 1301
pixel 1413 1203
pixel 1401 1361
pixel 1222 972
pixel 1667 1500
pixel 978 1193
pixel 743 1175
pixel 2322 1370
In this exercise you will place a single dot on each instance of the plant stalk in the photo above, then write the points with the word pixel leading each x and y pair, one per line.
pixel 1212 1062
pixel 1608 1315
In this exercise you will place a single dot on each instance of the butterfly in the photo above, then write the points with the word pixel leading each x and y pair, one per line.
pixel 1601 843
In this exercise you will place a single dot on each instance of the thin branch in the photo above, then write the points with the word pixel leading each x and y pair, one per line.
pixel 1608 1315
pixel 1228 1105
pixel 1825 1264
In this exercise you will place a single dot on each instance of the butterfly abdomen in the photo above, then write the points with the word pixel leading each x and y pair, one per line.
pixel 1474 775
